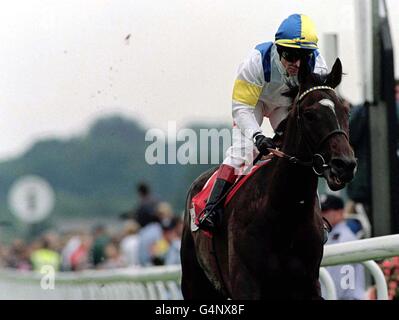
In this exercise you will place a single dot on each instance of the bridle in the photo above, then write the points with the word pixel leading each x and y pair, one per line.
pixel 317 162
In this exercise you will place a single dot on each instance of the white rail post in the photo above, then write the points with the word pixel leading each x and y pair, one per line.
pixel 328 282
pixel 381 285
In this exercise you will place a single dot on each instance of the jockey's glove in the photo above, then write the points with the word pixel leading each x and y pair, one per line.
pixel 263 143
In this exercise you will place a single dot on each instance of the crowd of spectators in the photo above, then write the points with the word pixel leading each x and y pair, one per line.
pixel 150 236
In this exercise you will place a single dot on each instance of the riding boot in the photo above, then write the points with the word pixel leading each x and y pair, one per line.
pixel 212 215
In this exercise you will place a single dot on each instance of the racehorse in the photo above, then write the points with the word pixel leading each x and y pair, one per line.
pixel 270 241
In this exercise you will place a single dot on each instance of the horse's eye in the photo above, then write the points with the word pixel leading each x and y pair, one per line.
pixel 309 116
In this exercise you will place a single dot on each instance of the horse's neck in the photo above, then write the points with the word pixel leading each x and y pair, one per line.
pixel 292 185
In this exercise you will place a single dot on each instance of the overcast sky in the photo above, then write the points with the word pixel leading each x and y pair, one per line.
pixel 64 63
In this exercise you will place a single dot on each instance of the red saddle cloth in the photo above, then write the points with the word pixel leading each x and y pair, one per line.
pixel 200 199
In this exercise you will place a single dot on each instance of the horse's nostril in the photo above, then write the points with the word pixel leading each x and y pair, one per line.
pixel 338 164
pixel 343 167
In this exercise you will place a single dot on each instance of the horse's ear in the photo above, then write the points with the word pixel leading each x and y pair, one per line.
pixel 335 76
pixel 304 71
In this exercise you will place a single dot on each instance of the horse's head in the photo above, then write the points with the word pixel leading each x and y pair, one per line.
pixel 322 122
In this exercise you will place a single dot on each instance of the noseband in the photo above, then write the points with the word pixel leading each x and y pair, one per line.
pixel 318 162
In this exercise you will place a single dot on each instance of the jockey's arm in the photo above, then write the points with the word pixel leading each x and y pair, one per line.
pixel 247 89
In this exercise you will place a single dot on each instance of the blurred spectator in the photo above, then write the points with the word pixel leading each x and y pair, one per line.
pixel 357 220
pixel 172 234
pixel 145 211
pixel 101 239
pixel 148 235
pixel 113 258
pixel 159 250
pixel 45 255
pixel 18 256
pixel 130 243
pixel 80 257
pixel 70 247
pixel 152 233
pixel 332 209
pixel 359 190
pixel 167 249
pixel 164 212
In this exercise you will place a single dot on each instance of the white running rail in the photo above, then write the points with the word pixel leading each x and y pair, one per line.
pixel 154 283
pixel 363 251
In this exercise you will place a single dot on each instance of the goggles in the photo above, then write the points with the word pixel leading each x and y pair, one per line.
pixel 293 55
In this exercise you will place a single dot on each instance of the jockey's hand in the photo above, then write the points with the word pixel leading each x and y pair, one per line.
pixel 263 143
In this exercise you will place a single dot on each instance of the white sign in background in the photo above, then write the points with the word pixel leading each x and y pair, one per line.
pixel 31 199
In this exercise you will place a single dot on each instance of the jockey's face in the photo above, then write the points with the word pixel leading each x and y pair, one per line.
pixel 292 68
pixel 291 58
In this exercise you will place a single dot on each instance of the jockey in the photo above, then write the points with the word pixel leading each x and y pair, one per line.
pixel 270 69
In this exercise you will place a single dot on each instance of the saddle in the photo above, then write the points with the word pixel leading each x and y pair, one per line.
pixel 198 202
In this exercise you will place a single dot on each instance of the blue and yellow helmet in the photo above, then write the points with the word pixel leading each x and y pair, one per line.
pixel 297 31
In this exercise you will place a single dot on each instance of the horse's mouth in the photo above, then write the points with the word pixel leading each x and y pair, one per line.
pixel 333 181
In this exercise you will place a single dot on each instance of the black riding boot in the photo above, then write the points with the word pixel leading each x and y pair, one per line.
pixel 212 214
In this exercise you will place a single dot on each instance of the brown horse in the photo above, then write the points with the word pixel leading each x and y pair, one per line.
pixel 270 243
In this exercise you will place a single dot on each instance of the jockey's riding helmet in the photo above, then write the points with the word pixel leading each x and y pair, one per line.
pixel 297 31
